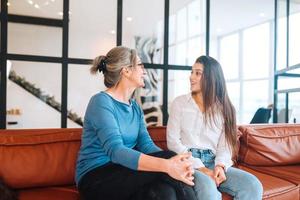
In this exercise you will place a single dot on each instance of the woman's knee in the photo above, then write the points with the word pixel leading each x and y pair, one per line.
pixel 205 187
pixel 255 186
pixel 156 191
pixel 164 191
pixel 251 187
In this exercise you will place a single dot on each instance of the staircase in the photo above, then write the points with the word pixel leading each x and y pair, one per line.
pixel 37 92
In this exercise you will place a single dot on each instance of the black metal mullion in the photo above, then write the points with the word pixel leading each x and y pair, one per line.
pixel 166 62
pixel 275 94
pixel 34 58
pixel 287 56
pixel 207 26
pixel 288 32
pixel 80 61
pixel 170 67
pixel 290 75
pixel 3 78
pixel 35 20
pixel 287 107
pixel 119 22
pixel 64 83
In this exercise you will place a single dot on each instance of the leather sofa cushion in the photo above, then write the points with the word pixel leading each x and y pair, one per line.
pixel 270 145
pixel 38 158
pixel 289 173
pixel 50 193
pixel 275 188
pixel 226 196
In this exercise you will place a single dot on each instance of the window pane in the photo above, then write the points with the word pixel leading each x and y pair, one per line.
pixel 294 39
pixel 92 29
pixel 234 95
pixel 229 49
pixel 256 55
pixel 181 53
pixel 288 83
pixel 254 98
pixel 172 29
pixel 196 18
pixel 187 35
pixel 195 49
pixel 244 14
pixel 34 40
pixel 178 84
pixel 281 36
pixel 37 8
pixel 81 87
pixel 144 30
pixel 281 111
pixel 181 25
pixel 34 95
pixel 150 97
pixel 294 105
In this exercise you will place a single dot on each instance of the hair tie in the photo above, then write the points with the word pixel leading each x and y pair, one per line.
pixel 102 66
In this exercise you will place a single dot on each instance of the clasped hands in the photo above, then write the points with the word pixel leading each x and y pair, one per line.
pixel 180 168
pixel 218 174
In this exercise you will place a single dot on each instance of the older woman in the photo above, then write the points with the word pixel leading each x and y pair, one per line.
pixel 117 158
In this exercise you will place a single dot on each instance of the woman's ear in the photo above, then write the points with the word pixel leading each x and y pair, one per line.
pixel 126 72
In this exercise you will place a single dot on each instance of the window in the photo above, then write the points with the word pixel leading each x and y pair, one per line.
pixel 187 31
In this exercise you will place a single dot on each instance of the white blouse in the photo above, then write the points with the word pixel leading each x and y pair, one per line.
pixel 186 129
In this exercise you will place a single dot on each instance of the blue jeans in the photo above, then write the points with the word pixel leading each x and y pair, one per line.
pixel 239 184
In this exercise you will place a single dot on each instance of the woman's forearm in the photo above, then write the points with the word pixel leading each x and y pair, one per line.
pixel 152 164
pixel 177 167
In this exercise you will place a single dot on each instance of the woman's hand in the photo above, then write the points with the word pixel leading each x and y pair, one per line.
pixel 180 168
pixel 208 172
pixel 219 174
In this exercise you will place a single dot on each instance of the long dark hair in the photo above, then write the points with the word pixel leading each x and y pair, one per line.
pixel 216 100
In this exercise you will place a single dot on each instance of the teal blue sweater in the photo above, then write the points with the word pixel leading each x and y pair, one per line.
pixel 112 132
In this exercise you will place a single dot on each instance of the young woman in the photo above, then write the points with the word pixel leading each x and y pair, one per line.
pixel 117 158
pixel 204 123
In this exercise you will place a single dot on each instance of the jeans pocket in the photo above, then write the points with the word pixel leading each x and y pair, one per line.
pixel 208 157
pixel 194 152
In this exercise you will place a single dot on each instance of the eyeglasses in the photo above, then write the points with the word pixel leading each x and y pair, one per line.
pixel 141 65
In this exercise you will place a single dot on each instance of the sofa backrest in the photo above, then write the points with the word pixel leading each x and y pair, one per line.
pixel 159 136
pixel 47 157
pixel 270 145
pixel 39 157
pixel 260 145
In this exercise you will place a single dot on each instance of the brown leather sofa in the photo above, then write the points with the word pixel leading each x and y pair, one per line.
pixel 40 163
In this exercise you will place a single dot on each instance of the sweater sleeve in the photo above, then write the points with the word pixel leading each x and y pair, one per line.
pixel 145 144
pixel 103 120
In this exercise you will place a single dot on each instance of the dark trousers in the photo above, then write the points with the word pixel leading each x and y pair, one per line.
pixel 116 182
